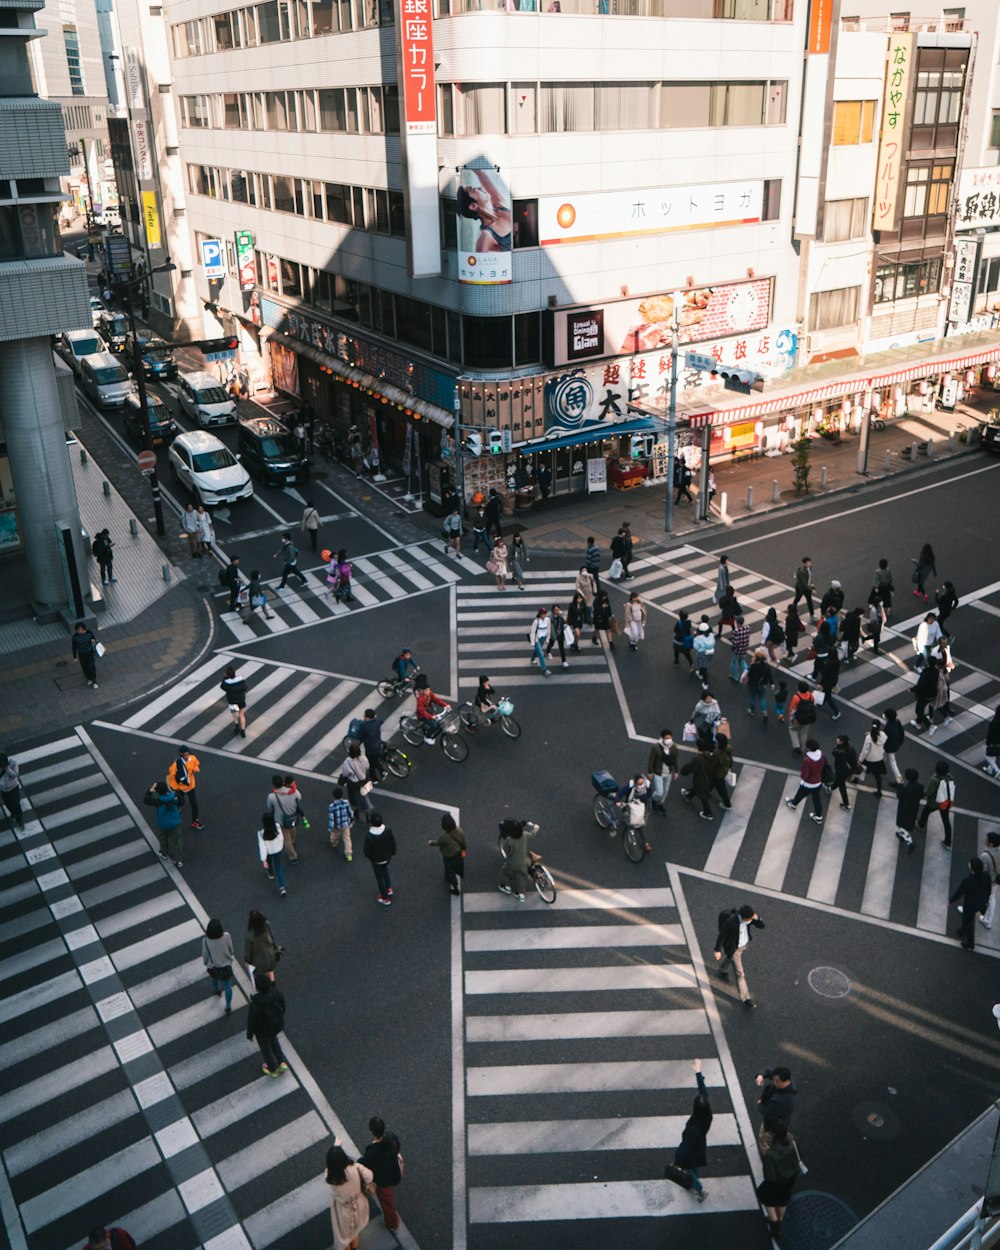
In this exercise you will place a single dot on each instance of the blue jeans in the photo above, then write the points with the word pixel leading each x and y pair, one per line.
pixel 540 656
pixel 757 699
pixel 738 664
pixel 225 987
pixel 480 536
pixel 382 879
pixel 274 866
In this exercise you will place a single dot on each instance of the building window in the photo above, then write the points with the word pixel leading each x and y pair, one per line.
pixel 194 109
pixel 771 209
pixel 845 219
pixel 338 203
pixel 853 121
pixel 907 280
pixel 525 213
pixel 685 106
pixel 830 309
pixel 899 21
pixel 527 338
pixel 72 41
pixel 566 107
pixel 487 342
pixel 626 106
pixel 927 189
pixel 995 129
pixel 938 98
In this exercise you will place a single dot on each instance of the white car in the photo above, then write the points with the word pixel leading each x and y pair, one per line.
pixel 73 345
pixel 208 469
pixel 204 399
pixel 97 309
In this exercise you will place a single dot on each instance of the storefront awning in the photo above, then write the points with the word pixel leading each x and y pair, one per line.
pixel 642 426
pixel 393 393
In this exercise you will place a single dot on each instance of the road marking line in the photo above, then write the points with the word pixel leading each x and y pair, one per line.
pixel 603 1200
pixel 557 1136
pixel 572 937
pixel 579 1024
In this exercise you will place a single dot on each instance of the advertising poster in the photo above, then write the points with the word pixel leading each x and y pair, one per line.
pixel 978 198
pixel 890 149
pixel 151 218
pixel 284 369
pixel 485 228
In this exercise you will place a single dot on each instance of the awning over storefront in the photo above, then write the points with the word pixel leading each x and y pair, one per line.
pixel 393 393
pixel 835 379
pixel 643 425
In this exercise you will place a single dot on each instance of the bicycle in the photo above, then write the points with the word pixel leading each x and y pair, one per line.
pixel 446 733
pixel 391 758
pixel 396 687
pixel 613 814
pixel 540 876
pixel 501 715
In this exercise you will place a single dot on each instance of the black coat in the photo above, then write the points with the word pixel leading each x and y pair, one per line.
pixel 729 934
pixel 266 1014
pixel 845 763
pixel 973 891
pixel 894 735
pixel 909 794
pixel 926 686
pixel 382 1157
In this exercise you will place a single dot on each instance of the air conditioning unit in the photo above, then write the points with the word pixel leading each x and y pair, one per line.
pixel 815 343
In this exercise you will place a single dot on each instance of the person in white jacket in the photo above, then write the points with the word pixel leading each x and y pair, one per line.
pixel 270 845
pixel 927 638
pixel 635 620
pixel 704 649
pixel 872 755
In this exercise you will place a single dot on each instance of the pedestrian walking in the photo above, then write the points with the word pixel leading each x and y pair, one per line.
pixel 451 843
pixel 206 529
pixel 558 635
pixel 586 587
pixel 514 870
pixel 629 545
pixel 794 629
pixel 498 563
pixel 782 1165
pixel 823 644
pixel 990 855
pixel 780 699
pixel 271 850
pixel 845 768
pixel 192 530
pixel 884 585
pixel 875 620
pixel 909 792
pixel 759 680
pixel 924 693
pixel 544 479
pixel 166 805
pixel 266 1023
pixel 310 523
pixel 700 769
pixel 261 952
pixel 492 511
pixel 234 691
pixel 257 597
pixel 451 532
pixel 350 1184
pixel 872 756
pixel 777 1099
pixel 383 1158
pixel 729 609
pixel 621 553
pixel 369 736
pixel 576 619
pixel 635 620
pixel 285 805
pixel 832 598
pixel 772 636
pixel 662 768
pixel 379 848
pixel 801 716
pixel 218 956
pixel 518 559
pixel 289 554
pixel 811 781
pixel 722 767
pixel 103 550
pixel 85 646
pixel 101 1238
pixel 682 481
pixel 10 791
pixel 991 747
pixel 942 695
pixel 539 635
pixel 829 675
pixel 479 532
pixel 972 896
pixel 739 649
pixel 939 796
pixel 731 946
pixel 340 818
pixel 683 640
pixel 924 566
pixel 850 634
pixel 946 599
pixel 182 778
pixel 592 562
pixel 706 718
pixel 355 775
pixel 604 620
pixel 230 578
pixel 691 1154
pixel 721 579
pixel 926 638
pixel 704 648
pixel 804 586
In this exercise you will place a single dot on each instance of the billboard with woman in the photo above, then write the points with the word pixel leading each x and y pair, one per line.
pixel 485 228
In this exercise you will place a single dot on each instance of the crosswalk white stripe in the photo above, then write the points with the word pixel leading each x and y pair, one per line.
pixel 310 717
pixel 332 739
pixel 108 859
pixel 47 749
pixel 179 690
pixel 42 796
pixel 74 815
pixel 141 913
pixel 61 1030
pixel 285 1142
pixel 935 881
pixel 260 722
pixel 652 1132
pixel 22 925
pixel 603 1200
pixel 605 899
pixel 883 859
pixel 474 634
pixel 535 677
pixel 885 691
pixel 18 893
pixel 570 937
pixel 552 575
pixel 496 662
pixel 291 1210
pixel 32 777
pixel 49 991
pixel 781 839
pixel 410 574
pixel 167 983
pixel 245 1101
pixel 33 957
pixel 59 1081
pixel 484 592
pixel 214 698
pixel 378 577
pixel 240 629
pixel 734 824
pixel 583 1078
pixel 151 874
pixel 212 1060
pixel 573 980
pixel 443 567
pixel 297 605
pixel 70 1131
pixel 540 1028
pixel 159 944
pixel 152 1219
pixel 184 1022
pixel 829 862
pixel 83 1187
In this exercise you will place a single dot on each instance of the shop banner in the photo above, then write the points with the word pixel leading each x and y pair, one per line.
pixel 151 218
pixel 485 228
pixel 416 58
pixel 898 75
pixel 966 251
pixel 978 198
pixel 143 157
pixel 245 260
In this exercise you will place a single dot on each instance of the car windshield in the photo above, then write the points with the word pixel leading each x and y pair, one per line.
pixel 206 461
pixel 157 351
pixel 212 395
pixel 115 325
pixel 278 445
pixel 157 410
pixel 85 347
pixel 113 373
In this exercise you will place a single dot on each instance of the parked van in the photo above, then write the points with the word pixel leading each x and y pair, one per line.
pixel 105 380
pixel 205 400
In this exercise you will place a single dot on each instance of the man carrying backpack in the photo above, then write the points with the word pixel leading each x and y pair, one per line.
pixel 801 716
pixel 732 942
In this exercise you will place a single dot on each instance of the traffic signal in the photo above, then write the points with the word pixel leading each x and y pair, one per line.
pixel 640 446
pixel 216 345
pixel 495 442
pixel 472 444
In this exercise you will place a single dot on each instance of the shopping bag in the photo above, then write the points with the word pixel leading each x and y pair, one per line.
pixel 690 732
pixel 616 570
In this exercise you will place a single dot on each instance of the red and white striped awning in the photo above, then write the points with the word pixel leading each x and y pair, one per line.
pixel 855 383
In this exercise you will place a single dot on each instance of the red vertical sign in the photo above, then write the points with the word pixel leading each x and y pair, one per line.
pixel 417 46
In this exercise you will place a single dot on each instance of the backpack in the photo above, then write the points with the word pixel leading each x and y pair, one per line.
pixel 93 548
pixel 776 634
pixel 805 711
pixel 945 793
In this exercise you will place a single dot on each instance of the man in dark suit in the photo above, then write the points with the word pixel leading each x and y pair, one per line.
pixel 732 942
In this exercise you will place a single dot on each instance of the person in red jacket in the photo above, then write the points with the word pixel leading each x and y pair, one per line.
pixel 102 1238
pixel 811 781
pixel 429 707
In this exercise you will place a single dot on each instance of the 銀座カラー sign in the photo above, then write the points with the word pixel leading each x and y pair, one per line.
pixel 417 61
pixel 898 75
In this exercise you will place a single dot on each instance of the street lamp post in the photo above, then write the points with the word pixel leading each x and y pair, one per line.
pixel 124 290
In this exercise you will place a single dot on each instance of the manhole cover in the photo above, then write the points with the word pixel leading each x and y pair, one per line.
pixel 817 1221
pixel 876 1121
pixel 829 982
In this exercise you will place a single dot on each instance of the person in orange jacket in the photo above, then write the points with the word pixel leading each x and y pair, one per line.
pixel 182 776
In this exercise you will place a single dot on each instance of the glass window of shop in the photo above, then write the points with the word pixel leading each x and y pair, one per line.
pixel 487 342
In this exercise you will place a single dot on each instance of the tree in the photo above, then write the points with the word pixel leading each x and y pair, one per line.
pixel 801 455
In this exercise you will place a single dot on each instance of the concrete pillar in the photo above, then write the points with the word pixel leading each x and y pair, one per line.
pixel 33 427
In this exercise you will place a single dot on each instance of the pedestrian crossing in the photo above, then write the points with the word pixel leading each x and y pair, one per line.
pixel 380 577
pixel 602 1092
pixel 492 633
pixel 295 716
pixel 126 1094
pixel 684 578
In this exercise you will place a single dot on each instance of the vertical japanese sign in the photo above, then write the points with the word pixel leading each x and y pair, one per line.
pixel 245 262
pixel 964 274
pixel 143 157
pixel 485 228
pixel 820 25
pixel 418 68
pixel 898 78
pixel 151 219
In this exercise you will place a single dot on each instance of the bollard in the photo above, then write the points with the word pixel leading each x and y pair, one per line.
pixel 724 505
pixel 888 462
pixel 106 487
pixel 822 477
pixel 930 449
pixel 133 527
pixel 83 455
pixel 166 572
pixel 749 499
pixel 775 493
pixel 913 452
pixel 952 440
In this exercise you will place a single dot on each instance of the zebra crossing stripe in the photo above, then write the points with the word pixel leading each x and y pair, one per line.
pixel 573 980
pixel 178 691
pixel 573 937
pixel 576 1025
pixel 310 717
pixel 881 875
pixel 726 847
pixel 584 1078
pixel 829 861
pixel 654 1132
pixel 603 1200
pixel 778 848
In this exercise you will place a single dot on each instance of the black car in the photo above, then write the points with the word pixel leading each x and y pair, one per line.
pixel 271 452
pixel 157 356
pixel 113 327
pixel 989 436
pixel 161 425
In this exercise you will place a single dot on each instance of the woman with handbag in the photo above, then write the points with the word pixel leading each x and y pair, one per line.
pixel 270 848
pixel 518 559
pixel 690 1155
pixel 872 756
pixel 354 775
pixel 576 618
pixel 350 1184
pixel 603 620
pixel 782 1164
pixel 260 951
pixel 635 620
pixel 498 564
pixel 218 956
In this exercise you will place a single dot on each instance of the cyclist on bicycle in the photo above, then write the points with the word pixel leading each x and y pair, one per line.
pixel 370 737
pixel 638 790
pixel 430 707
pixel 404 664
pixel 485 698
pixel 514 871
